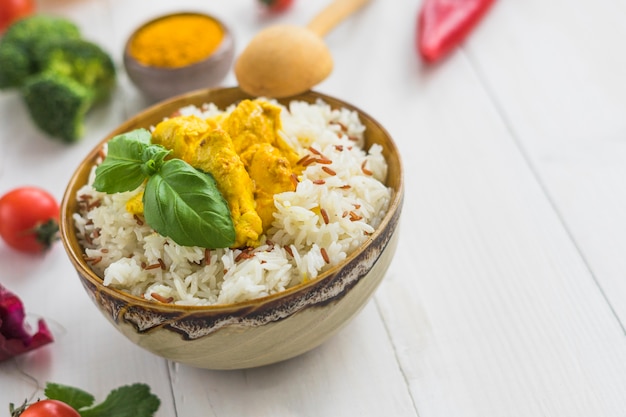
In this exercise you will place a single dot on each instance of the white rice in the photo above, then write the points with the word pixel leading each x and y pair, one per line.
pixel 129 255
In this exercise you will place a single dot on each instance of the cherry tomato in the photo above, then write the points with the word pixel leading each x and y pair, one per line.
pixel 29 219
pixel 49 408
pixel 12 10
pixel 276 5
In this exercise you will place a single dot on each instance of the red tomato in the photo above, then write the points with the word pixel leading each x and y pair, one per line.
pixel 276 5
pixel 11 10
pixel 49 408
pixel 29 218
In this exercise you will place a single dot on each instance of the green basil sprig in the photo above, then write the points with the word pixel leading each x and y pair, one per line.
pixel 179 201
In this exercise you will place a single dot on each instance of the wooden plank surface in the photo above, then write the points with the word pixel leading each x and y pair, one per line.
pixel 505 295
pixel 566 108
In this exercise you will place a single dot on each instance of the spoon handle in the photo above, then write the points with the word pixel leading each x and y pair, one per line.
pixel 333 14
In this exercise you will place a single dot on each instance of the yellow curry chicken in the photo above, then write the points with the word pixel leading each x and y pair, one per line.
pixel 244 153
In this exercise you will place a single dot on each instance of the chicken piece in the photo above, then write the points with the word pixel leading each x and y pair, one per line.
pixel 181 134
pixel 252 122
pixel 215 154
pixel 257 121
pixel 270 161
pixel 271 173
pixel 211 150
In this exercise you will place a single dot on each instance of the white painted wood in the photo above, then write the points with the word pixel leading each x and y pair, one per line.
pixel 355 373
pixel 489 298
pixel 497 303
pixel 560 88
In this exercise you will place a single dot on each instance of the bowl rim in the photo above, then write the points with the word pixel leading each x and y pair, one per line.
pixel 227 44
pixel 70 240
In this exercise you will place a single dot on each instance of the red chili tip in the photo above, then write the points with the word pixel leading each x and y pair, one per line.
pixel 443 24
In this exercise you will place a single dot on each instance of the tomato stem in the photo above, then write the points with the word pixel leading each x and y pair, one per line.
pixel 46 233
pixel 15 412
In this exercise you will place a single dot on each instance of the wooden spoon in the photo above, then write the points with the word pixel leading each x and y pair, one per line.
pixel 284 60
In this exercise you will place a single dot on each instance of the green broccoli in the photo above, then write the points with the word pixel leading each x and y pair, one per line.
pixel 57 104
pixel 82 61
pixel 22 40
pixel 61 76
pixel 75 74
pixel 15 66
pixel 40 27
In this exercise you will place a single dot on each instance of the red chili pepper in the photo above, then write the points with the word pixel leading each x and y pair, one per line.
pixel 444 24
pixel 276 6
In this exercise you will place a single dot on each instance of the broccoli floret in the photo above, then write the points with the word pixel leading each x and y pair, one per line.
pixel 24 38
pixel 75 74
pixel 40 27
pixel 15 66
pixel 61 75
pixel 57 104
pixel 82 61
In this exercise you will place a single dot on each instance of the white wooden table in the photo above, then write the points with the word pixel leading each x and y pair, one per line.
pixel 507 296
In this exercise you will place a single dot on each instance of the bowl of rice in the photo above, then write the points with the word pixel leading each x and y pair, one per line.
pixel 326 239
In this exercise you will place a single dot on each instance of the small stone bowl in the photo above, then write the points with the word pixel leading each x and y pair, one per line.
pixel 159 83
pixel 257 332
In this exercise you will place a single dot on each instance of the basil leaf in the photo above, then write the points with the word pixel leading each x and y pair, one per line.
pixel 185 204
pixel 153 157
pixel 122 169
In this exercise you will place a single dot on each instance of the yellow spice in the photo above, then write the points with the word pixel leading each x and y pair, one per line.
pixel 176 41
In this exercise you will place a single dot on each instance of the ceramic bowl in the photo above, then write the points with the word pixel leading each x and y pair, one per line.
pixel 261 331
pixel 159 83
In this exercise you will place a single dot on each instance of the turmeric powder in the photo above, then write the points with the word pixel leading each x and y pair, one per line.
pixel 176 41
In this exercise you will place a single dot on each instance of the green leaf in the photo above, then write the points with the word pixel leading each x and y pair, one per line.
pixel 152 158
pixel 122 169
pixel 185 204
pixel 134 400
pixel 74 397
